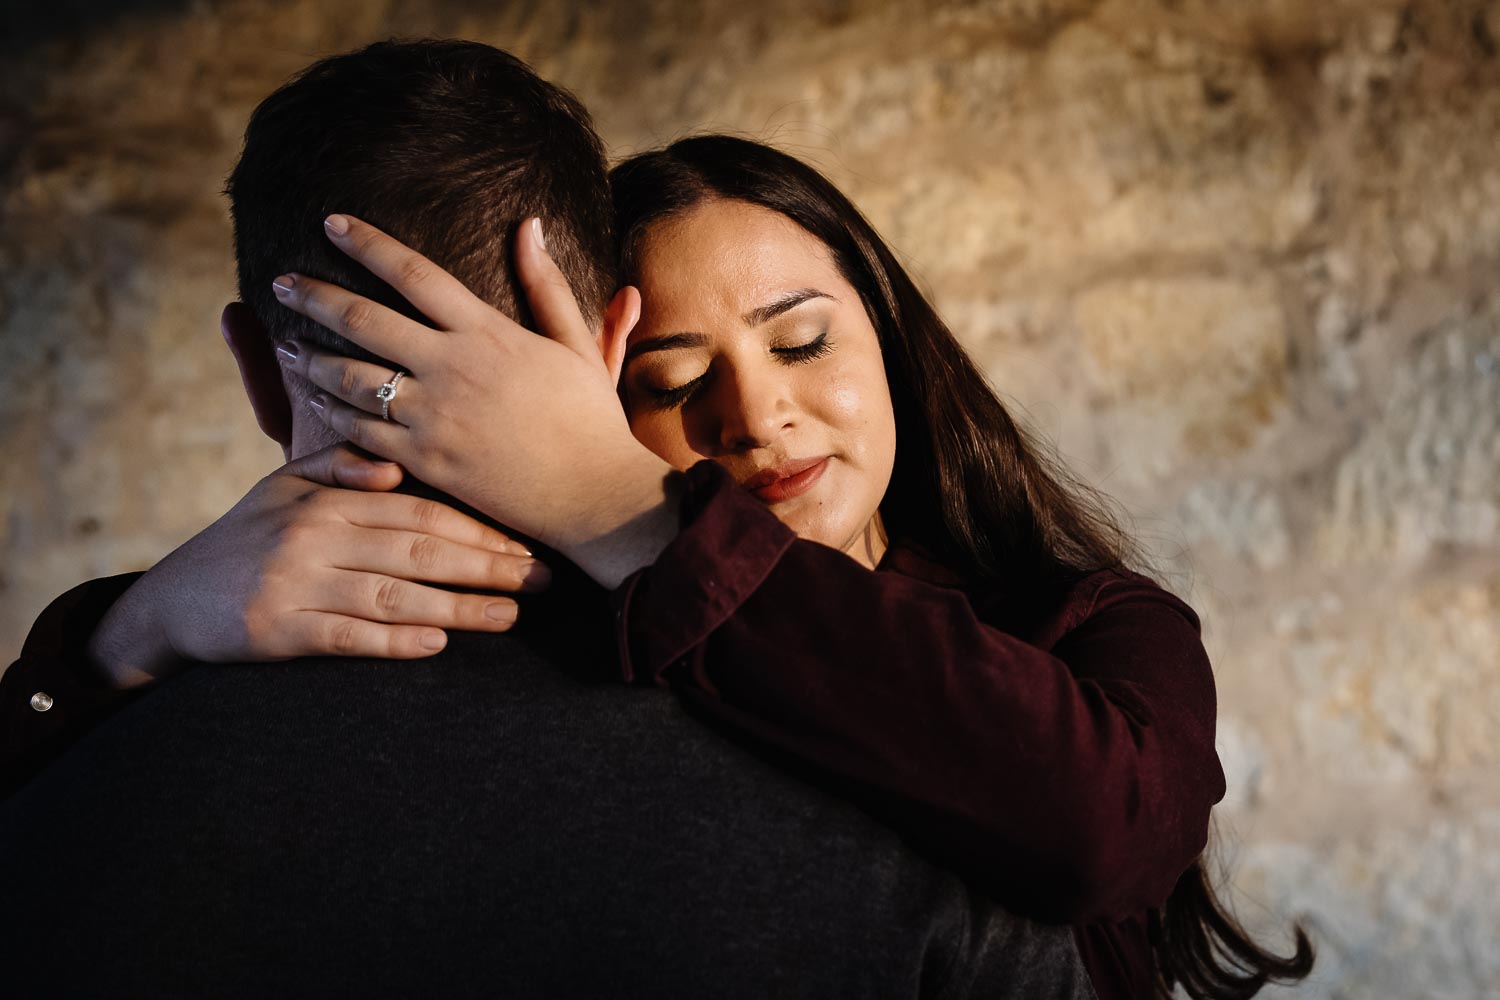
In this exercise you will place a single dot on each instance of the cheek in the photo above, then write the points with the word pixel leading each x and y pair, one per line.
pixel 663 434
pixel 855 401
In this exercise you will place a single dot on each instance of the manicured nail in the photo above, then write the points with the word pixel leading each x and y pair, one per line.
pixel 283 285
pixel 433 640
pixel 337 225
pixel 287 351
pixel 536 577
pixel 505 614
pixel 317 402
pixel 536 230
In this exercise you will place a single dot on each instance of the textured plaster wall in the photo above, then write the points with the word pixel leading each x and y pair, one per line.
pixel 1237 258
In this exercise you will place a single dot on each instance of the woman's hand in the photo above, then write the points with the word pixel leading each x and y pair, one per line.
pixel 525 428
pixel 302 568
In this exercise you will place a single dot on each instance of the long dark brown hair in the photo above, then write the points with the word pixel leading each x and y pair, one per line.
pixel 970 485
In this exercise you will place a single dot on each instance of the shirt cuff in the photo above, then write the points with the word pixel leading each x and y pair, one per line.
pixel 728 544
pixel 54 692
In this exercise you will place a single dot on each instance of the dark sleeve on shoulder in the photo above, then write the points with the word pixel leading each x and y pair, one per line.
pixel 1075 783
pixel 52 695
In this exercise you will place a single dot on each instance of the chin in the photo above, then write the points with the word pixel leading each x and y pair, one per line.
pixel 816 528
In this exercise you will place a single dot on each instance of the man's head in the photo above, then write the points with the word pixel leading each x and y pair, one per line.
pixel 446 145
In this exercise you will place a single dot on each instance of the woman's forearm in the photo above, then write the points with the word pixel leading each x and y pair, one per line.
pixel 1075 780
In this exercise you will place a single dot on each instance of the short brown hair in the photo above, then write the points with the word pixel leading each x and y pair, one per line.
pixel 446 145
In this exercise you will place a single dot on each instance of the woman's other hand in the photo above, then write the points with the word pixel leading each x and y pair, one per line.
pixel 526 428
pixel 302 567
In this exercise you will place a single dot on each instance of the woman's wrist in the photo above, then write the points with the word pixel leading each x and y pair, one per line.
pixel 634 521
pixel 129 649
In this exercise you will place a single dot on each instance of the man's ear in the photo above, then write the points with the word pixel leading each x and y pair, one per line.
pixel 620 317
pixel 259 371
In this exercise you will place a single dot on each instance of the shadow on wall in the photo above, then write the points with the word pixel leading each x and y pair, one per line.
pixel 26 25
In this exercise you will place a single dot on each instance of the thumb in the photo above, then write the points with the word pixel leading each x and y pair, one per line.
pixel 549 294
pixel 346 466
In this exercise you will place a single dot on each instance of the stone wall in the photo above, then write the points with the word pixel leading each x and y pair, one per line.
pixel 1235 257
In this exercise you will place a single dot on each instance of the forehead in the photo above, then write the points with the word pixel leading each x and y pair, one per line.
pixel 728 257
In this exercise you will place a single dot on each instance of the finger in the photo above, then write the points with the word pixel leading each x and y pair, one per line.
pixel 379 598
pixel 551 298
pixel 346 466
pixel 438 295
pixel 385 438
pixel 429 517
pixel 318 633
pixel 358 383
pixel 413 555
pixel 369 324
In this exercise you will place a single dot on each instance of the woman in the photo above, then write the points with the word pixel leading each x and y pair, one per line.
pixel 874 570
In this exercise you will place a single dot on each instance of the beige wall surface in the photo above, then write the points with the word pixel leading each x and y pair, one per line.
pixel 1237 258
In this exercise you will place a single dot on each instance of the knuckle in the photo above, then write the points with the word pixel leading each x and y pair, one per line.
pixel 365 240
pixel 322 502
pixel 348 382
pixel 427 516
pixel 424 554
pixel 465 612
pixel 295 536
pixel 354 317
pixel 413 271
pixel 388 596
pixel 355 430
pixel 343 638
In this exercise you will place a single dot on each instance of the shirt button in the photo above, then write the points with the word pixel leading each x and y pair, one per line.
pixel 41 701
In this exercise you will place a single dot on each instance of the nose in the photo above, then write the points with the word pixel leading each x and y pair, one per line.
pixel 753 409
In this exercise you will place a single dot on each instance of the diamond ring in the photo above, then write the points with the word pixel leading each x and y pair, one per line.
pixel 386 393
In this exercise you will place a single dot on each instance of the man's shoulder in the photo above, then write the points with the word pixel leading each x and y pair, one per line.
pixel 562 818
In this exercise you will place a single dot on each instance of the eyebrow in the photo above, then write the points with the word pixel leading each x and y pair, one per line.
pixel 670 342
pixel 791 300
pixel 758 316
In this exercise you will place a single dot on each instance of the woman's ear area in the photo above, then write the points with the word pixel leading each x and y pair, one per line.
pixel 620 317
pixel 260 372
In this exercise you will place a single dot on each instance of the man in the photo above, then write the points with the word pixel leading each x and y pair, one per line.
pixel 491 821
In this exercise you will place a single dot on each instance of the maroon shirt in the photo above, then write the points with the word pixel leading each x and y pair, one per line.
pixel 1057 752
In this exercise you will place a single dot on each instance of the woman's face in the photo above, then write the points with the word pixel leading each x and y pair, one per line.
pixel 753 350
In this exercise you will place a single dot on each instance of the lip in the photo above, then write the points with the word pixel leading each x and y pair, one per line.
pixel 786 481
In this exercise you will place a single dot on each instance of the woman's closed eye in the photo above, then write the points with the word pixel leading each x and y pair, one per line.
pixel 675 396
pixel 671 396
pixel 802 353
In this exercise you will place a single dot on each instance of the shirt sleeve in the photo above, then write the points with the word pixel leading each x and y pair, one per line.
pixel 53 694
pixel 1075 783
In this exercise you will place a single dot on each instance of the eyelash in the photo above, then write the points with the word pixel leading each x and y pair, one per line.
pixel 818 347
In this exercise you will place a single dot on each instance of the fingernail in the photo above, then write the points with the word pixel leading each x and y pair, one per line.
pixel 283 285
pixel 337 225
pixel 505 614
pixel 317 402
pixel 382 464
pixel 536 230
pixel 536 576
pixel 433 640
pixel 287 351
